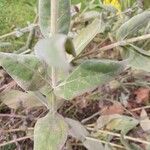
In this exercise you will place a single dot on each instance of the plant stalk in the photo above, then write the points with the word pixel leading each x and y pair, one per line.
pixel 54 16
pixel 53 31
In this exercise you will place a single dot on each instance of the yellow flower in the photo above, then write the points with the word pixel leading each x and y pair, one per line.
pixel 114 3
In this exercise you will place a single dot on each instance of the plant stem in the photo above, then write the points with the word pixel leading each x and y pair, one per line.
pixel 16 130
pixel 54 16
pixel 53 31
pixel 23 30
pixel 119 135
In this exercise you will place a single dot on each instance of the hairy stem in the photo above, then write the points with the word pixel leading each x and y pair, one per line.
pixel 54 16
pixel 119 135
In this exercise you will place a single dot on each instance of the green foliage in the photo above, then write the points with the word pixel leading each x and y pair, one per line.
pixel 138 61
pixel 45 16
pixel 12 12
pixel 15 14
pixel 32 73
pixel 87 34
pixel 26 70
pixel 50 132
pixel 131 26
pixel 79 81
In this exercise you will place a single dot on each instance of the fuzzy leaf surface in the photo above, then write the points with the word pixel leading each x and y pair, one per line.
pixel 63 16
pixel 88 75
pixel 138 60
pixel 133 25
pixel 50 132
pixel 87 34
pixel 26 70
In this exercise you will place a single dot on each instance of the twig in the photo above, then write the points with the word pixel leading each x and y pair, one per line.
pixel 23 30
pixel 119 43
pixel 91 117
pixel 16 140
pixel 14 116
pixel 119 135
pixel 140 108
pixel 15 130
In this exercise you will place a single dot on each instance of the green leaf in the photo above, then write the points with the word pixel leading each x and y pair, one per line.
pixel 88 75
pixel 76 129
pixel 117 122
pixel 133 25
pixel 26 70
pixel 52 51
pixel 87 34
pixel 15 99
pixel 138 61
pixel 50 132
pixel 63 16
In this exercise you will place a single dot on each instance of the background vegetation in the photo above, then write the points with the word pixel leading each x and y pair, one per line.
pixel 101 98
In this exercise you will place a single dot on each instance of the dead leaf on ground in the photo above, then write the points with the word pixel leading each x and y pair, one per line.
pixel 142 95
pixel 15 99
pixel 145 121
pixel 117 122
pixel 116 108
